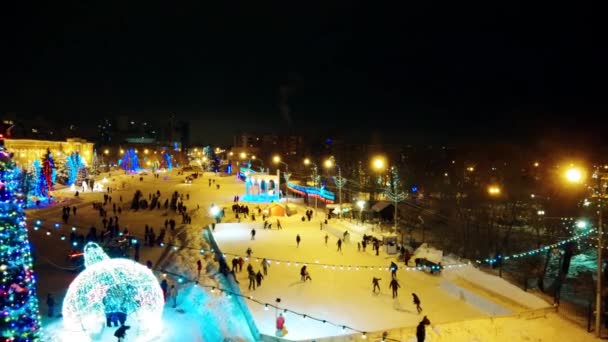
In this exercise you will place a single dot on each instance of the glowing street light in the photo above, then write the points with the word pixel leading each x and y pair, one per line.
pixel 122 151
pixel 361 205
pixel 243 155
pixel 494 190
pixel 106 151
pixel 536 164
pixel 146 151
pixel 328 163
pixel 253 157
pixel 306 161
pixel 581 224
pixel 379 163
pixel 574 175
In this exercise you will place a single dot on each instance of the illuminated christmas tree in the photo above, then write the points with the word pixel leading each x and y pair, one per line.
pixel 19 317
pixel 48 172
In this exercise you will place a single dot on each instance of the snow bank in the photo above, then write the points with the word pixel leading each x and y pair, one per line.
pixel 496 286
pixel 474 299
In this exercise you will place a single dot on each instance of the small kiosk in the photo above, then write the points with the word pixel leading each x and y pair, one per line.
pixel 390 243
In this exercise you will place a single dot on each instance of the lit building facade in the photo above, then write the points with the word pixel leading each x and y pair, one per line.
pixel 26 151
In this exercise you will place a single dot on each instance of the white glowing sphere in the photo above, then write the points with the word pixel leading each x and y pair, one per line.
pixel 114 285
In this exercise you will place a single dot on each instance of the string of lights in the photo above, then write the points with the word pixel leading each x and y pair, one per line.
pixel 347 267
pixel 267 306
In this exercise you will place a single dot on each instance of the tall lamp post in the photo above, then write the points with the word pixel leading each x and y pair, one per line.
pixel 315 178
pixel 339 181
pixel 286 174
pixel 361 205
pixel 598 190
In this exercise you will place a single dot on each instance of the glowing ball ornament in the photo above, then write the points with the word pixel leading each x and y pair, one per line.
pixel 113 286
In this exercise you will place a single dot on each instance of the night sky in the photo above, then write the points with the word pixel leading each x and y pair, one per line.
pixel 410 72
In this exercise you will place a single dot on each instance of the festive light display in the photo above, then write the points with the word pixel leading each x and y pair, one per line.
pixel 321 194
pixel 111 286
pixel 48 173
pixel 19 317
pixel 73 164
pixel 130 161
pixel 167 162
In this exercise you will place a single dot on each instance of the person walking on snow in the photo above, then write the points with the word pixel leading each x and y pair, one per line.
pixel 265 265
pixel 280 325
pixel 173 294
pixel 258 278
pixel 50 302
pixel 394 285
pixel 393 270
pixel 199 267
pixel 253 234
pixel 298 239
pixel 417 302
pixel 376 283
pixel 249 252
pixel 165 287
pixel 279 224
pixel 326 238
pixel 251 279
pixel 339 243
pixel 421 329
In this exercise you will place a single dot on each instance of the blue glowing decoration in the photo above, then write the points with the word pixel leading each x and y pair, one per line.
pixel 18 301
pixel 109 286
pixel 130 161
pixel 229 169
pixel 312 192
pixel 414 189
pixel 167 161
pixel 73 163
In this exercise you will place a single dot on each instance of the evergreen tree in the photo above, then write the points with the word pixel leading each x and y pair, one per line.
pixel 46 178
pixel 18 301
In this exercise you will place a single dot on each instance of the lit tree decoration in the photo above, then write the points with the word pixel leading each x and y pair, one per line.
pixel 394 193
pixel 19 317
pixel 73 163
pixel 48 173
pixel 130 161
pixel 168 162
pixel 110 286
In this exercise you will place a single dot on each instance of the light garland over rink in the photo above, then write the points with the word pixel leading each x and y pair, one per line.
pixel 267 306
pixel 38 223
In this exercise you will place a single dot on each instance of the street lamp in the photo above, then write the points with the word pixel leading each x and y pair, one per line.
pixel 315 178
pixel 243 155
pixel 361 205
pixel 339 181
pixel 576 175
pixel 277 160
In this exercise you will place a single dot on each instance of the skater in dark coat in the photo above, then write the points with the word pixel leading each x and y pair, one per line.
pixel 376 283
pixel 258 278
pixel 339 243
pixel 417 302
pixel 253 234
pixel 393 270
pixel 251 279
pixel 298 239
pixel 164 286
pixel 265 265
pixel 394 285
pixel 421 329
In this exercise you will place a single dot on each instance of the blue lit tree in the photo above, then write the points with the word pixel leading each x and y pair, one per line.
pixel 74 164
pixel 166 161
pixel 18 301
pixel 130 161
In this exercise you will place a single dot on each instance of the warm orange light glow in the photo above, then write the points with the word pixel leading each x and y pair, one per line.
pixel 494 190
pixel 328 163
pixel 379 163
pixel 574 175
pixel 276 159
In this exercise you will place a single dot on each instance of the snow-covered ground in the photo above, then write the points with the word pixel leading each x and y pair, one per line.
pixel 341 294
